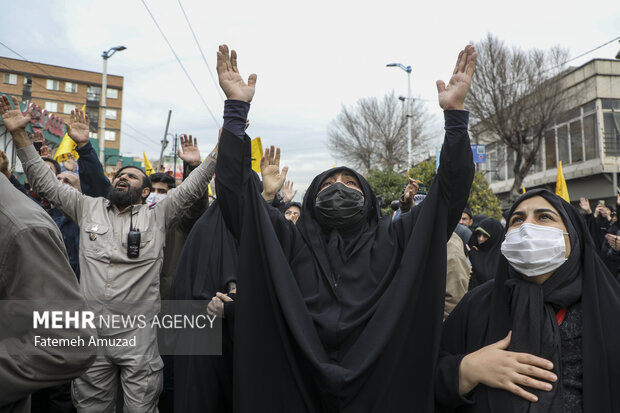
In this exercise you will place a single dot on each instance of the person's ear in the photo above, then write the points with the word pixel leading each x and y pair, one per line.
pixel 146 192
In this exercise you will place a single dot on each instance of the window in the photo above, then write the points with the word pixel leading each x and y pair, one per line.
pixel 510 163
pixel 613 104
pixel 563 151
pixel 71 87
pixel 51 106
pixel 589 107
pixel 590 136
pixel 10 78
pixel 111 93
pixel 550 155
pixel 110 114
pixel 92 135
pixel 67 108
pixel 492 162
pixel 93 93
pixel 576 142
pixel 501 162
pixel 110 135
pixel 612 133
pixel 52 84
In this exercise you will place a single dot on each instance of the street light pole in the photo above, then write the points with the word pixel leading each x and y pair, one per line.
pixel 104 84
pixel 409 108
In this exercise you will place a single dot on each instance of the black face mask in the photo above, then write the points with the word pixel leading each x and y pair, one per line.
pixel 339 206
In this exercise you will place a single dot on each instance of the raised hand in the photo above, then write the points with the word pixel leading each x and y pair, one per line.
pixel 4 165
pixel 453 95
pixel 38 137
pixel 190 152
pixel 270 172
pixel 288 192
pixel 230 80
pixel 496 367
pixel 13 119
pixel 45 151
pixel 585 205
pixel 410 191
pixel 78 127
pixel 613 241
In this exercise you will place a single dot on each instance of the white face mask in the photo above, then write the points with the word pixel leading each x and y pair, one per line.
pixel 535 249
pixel 154 198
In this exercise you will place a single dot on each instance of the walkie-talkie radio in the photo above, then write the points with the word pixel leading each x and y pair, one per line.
pixel 133 238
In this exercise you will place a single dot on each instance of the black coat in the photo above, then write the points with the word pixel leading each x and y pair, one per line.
pixel 330 321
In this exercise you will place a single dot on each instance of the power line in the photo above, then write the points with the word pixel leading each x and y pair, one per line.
pixel 204 59
pixel 181 64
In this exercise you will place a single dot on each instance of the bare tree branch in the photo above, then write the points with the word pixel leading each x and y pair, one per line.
pixel 517 95
pixel 373 133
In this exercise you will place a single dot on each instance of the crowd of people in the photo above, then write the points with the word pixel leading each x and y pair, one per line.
pixel 338 308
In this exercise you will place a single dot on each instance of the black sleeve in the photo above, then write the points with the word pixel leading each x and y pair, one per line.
pixel 454 175
pixel 454 347
pixel 92 178
pixel 233 169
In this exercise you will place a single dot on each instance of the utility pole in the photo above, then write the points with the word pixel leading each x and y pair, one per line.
pixel 164 142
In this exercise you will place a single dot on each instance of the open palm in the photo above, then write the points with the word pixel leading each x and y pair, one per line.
pixel 273 179
pixel 190 152
pixel 453 95
pixel 13 119
pixel 230 80
pixel 78 128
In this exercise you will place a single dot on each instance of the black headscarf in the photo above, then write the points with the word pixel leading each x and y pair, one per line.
pixel 477 220
pixel 332 321
pixel 485 259
pixel 487 314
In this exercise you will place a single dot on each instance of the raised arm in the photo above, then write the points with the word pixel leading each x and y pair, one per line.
pixel 42 180
pixel 456 169
pixel 92 178
pixel 233 169
pixel 181 199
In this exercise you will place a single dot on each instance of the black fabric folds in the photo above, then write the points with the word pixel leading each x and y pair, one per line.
pixel 485 259
pixel 330 321
pixel 486 315
pixel 207 264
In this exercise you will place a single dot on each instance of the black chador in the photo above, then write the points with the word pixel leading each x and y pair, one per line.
pixel 338 320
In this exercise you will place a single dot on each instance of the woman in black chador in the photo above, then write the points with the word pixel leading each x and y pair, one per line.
pixel 485 254
pixel 543 336
pixel 341 312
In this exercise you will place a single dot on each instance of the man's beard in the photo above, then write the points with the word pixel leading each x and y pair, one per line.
pixel 123 198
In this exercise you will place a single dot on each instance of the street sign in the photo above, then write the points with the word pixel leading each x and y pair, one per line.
pixel 480 154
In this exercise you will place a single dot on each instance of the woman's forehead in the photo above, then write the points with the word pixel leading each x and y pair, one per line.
pixel 341 174
pixel 533 203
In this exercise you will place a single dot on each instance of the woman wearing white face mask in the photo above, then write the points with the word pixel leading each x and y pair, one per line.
pixel 543 336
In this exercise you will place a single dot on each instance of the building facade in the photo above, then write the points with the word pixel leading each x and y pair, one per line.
pixel 58 90
pixel 586 138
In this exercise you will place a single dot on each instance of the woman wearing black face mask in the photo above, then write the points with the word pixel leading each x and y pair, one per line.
pixel 341 312
pixel 543 336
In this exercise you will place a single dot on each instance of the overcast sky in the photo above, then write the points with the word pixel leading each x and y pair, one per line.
pixel 311 57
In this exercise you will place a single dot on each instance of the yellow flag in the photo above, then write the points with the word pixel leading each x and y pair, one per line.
pixel 148 168
pixel 560 185
pixel 257 154
pixel 66 147
pixel 523 190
